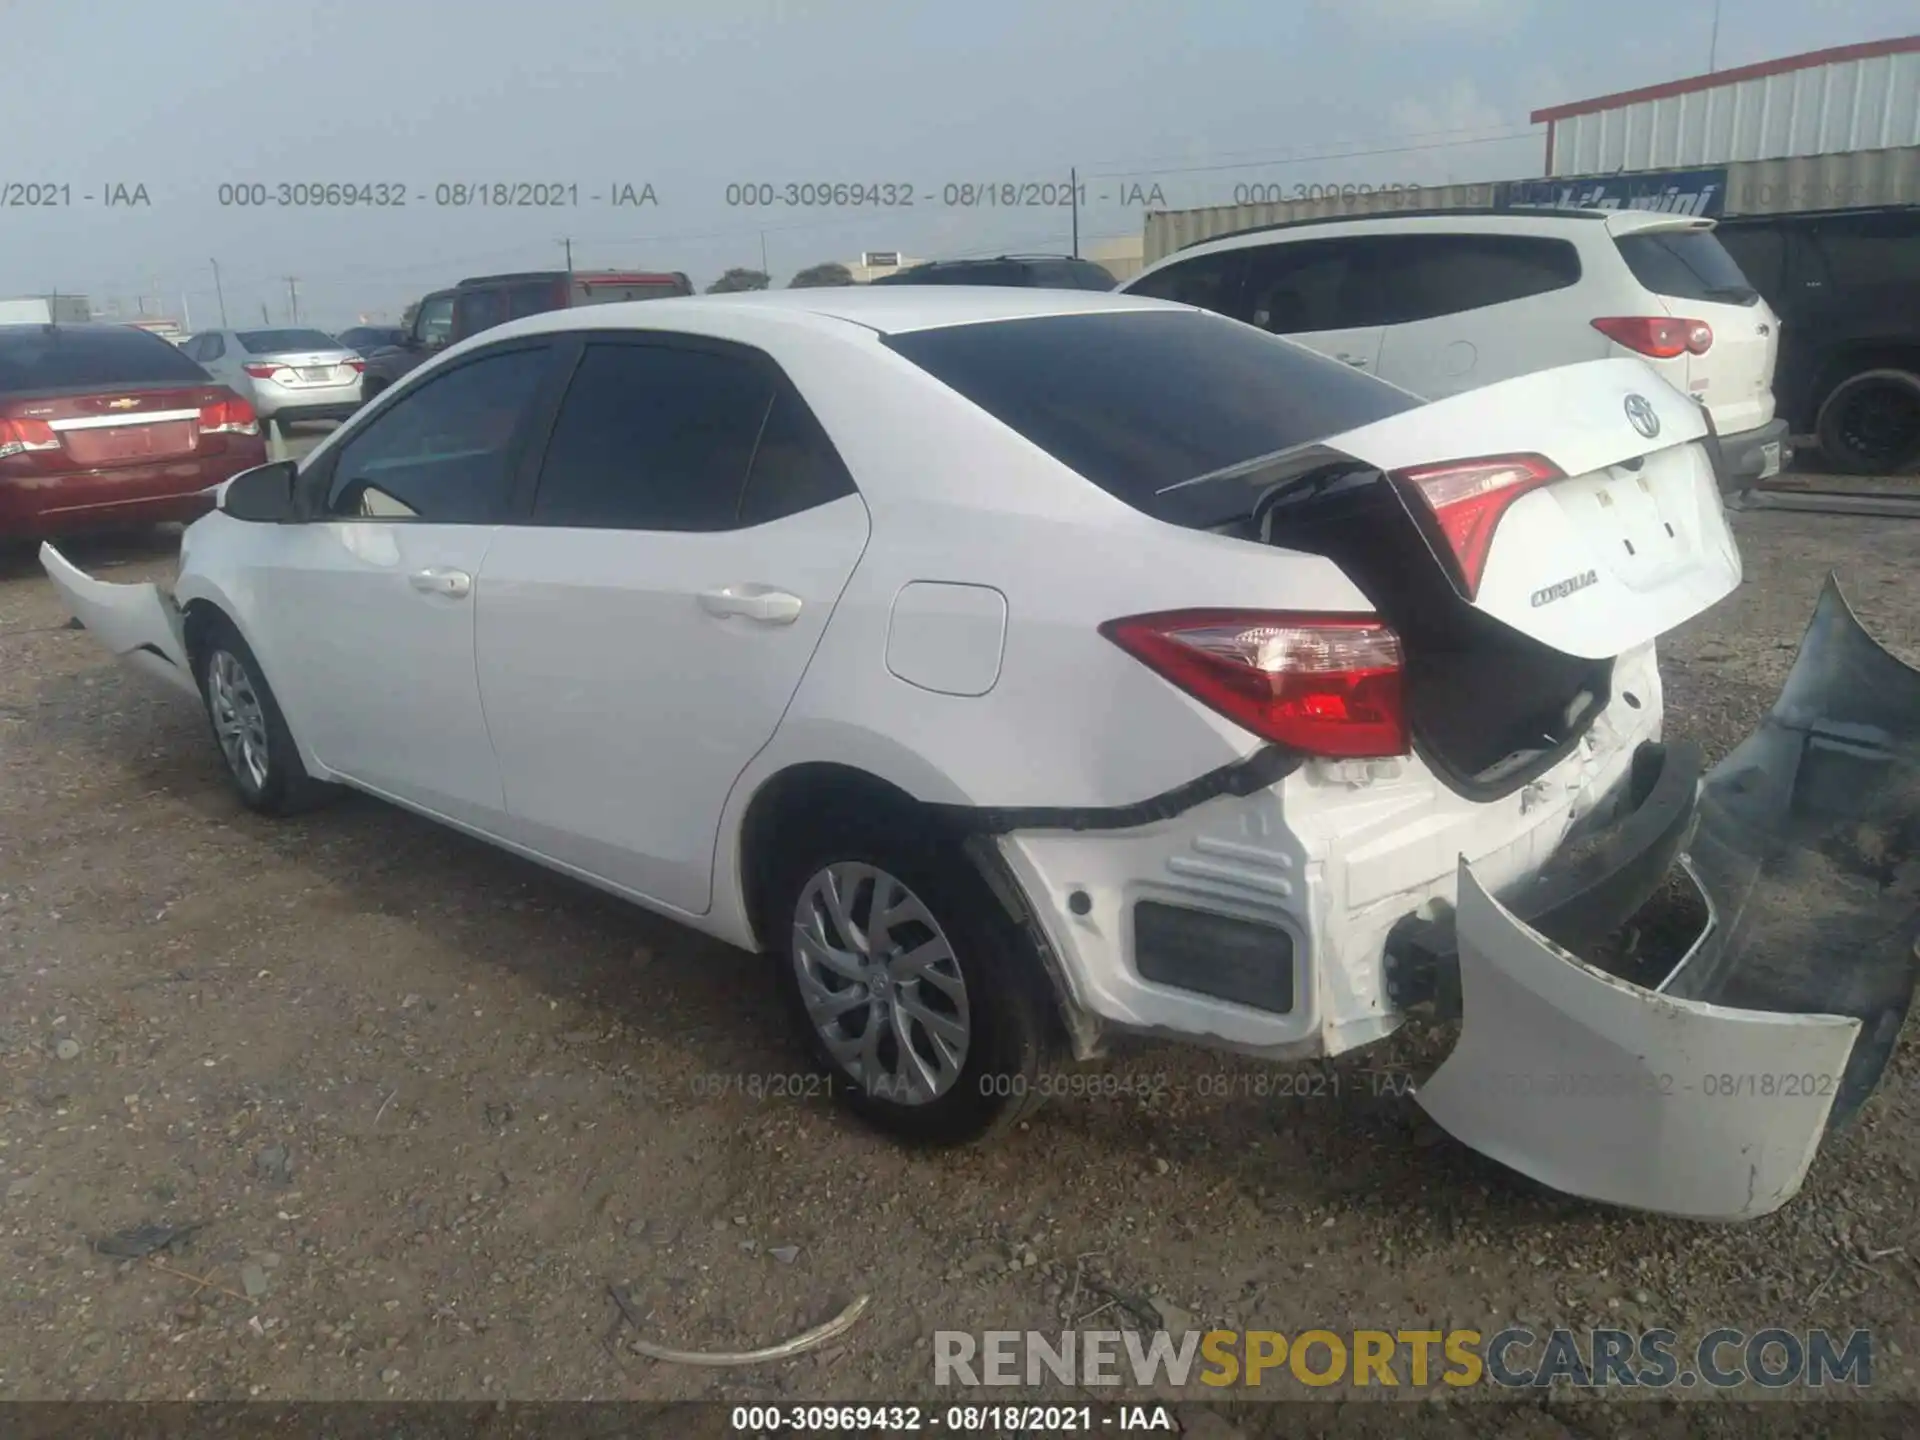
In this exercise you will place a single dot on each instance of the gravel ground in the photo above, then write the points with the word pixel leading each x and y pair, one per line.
pixel 429 1102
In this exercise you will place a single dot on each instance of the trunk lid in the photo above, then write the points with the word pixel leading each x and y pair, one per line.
pixel 1630 543
pixel 99 429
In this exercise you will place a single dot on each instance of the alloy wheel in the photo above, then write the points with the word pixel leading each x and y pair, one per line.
pixel 239 719
pixel 881 984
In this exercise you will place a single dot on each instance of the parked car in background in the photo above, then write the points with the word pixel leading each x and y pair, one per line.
pixel 1846 284
pixel 484 301
pixel 1053 272
pixel 1440 302
pixel 105 425
pixel 365 339
pixel 428 331
pixel 795 616
pixel 287 374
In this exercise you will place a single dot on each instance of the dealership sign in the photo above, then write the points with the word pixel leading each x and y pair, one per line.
pixel 1675 192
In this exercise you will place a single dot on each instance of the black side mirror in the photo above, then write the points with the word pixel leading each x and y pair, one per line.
pixel 264 493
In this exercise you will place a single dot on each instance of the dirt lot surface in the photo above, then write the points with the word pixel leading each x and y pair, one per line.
pixel 429 1102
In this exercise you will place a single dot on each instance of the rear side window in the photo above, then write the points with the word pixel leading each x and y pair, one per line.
pixel 1424 276
pixel 535 298
pixel 653 437
pixel 40 358
pixel 278 342
pixel 479 309
pixel 1140 401
pixel 795 466
pixel 1211 282
pixel 1686 265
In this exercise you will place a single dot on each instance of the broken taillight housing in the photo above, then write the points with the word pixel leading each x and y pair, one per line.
pixel 1467 498
pixel 1324 685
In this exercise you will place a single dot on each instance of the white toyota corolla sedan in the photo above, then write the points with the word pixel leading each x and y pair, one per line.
pixel 1021 668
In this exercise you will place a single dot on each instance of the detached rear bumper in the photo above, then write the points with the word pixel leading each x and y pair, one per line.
pixel 138 623
pixel 1708 1091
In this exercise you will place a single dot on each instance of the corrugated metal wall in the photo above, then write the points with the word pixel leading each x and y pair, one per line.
pixel 1870 104
pixel 1764 187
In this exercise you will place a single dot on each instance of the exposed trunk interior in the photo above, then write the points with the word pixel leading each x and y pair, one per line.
pixel 1490 708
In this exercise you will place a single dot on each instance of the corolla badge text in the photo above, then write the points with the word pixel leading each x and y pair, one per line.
pixel 1560 589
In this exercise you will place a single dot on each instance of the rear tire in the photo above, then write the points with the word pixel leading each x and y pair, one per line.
pixel 1870 423
pixel 912 991
pixel 256 748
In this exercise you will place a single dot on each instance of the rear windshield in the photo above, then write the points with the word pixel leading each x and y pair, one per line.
pixel 990 273
pixel 1137 402
pixel 38 358
pixel 1687 265
pixel 279 342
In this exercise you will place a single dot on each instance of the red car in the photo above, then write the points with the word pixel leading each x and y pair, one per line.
pixel 106 426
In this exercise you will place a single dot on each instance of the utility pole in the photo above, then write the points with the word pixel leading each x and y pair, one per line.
pixel 763 258
pixel 293 300
pixel 265 319
pixel 186 314
pixel 568 242
pixel 220 292
pixel 1713 43
pixel 1073 194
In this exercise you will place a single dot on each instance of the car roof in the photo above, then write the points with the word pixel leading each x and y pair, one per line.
pixel 888 310
pixel 1518 219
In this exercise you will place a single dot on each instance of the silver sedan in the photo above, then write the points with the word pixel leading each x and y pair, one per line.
pixel 288 374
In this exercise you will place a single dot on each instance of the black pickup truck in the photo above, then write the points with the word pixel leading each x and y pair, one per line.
pixel 429 330
pixel 1846 285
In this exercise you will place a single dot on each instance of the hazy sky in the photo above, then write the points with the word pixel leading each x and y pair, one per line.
pixel 1195 97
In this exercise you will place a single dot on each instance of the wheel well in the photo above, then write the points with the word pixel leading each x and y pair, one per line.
pixel 197 622
pixel 795 799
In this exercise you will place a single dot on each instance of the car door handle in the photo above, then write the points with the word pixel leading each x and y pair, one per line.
pixel 752 602
pixel 1359 362
pixel 453 583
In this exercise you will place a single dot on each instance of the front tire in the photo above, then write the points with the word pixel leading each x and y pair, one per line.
pixel 258 751
pixel 910 988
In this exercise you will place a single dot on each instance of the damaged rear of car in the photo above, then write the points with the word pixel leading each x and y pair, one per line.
pixel 1465 790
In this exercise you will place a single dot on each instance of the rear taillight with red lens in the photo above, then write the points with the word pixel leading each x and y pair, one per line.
pixel 263 372
pixel 1659 336
pixel 23 437
pixel 1467 498
pixel 359 367
pixel 1324 685
pixel 231 416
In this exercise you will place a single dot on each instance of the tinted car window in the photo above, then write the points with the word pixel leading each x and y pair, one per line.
pixel 212 347
pixel 442 452
pixel 795 466
pixel 1686 265
pixel 1760 251
pixel 1312 285
pixel 534 299
pixel 1871 249
pixel 479 309
pixel 652 437
pixel 1069 275
pixel 278 342
pixel 1210 281
pixel 37 358
pixel 1143 400
pixel 1423 276
pixel 434 324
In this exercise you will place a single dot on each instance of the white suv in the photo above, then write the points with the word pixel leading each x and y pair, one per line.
pixel 1439 302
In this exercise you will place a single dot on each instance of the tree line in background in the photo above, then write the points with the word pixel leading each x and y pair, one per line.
pixel 812 278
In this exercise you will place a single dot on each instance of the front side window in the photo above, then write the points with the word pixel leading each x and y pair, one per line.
pixel 1310 286
pixel 1211 282
pixel 479 309
pixel 653 437
pixel 441 453
pixel 434 323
